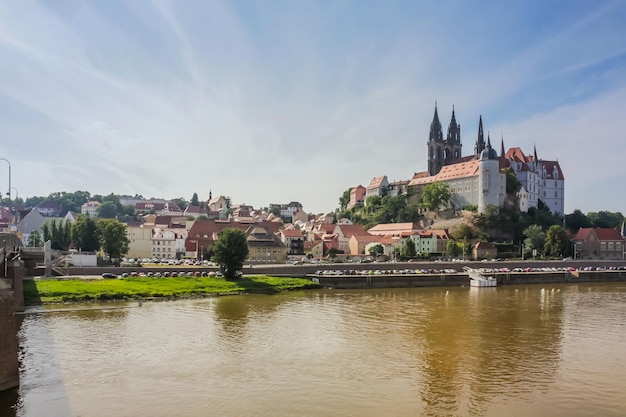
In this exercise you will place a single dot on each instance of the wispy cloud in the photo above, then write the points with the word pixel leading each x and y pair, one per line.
pixel 281 101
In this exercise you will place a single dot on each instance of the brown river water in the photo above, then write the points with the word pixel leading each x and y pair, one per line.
pixel 540 350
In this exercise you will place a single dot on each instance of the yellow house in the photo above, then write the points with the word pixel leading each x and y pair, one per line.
pixel 140 241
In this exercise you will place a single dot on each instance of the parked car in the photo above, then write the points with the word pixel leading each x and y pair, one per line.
pixel 109 275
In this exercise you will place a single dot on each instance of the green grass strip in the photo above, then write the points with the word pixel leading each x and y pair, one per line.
pixel 75 289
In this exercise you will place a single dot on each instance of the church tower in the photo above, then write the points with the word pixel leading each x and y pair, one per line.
pixel 480 141
pixel 443 152
pixel 452 150
pixel 435 146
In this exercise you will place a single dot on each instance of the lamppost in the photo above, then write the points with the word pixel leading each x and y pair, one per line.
pixel 7 161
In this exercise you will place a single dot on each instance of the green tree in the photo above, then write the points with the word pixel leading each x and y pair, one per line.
pixel 376 250
pixel 85 234
pixel 436 195
pixel 408 250
pixel 512 183
pixel 465 231
pixel 605 219
pixel 58 233
pixel 113 239
pixel 180 202
pixel 107 210
pixel 34 239
pixel 557 243
pixel 535 238
pixel 452 248
pixel 344 199
pixel 230 251
pixel 194 200
pixel 575 220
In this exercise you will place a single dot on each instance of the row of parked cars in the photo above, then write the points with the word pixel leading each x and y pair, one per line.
pixel 165 274
pixel 385 271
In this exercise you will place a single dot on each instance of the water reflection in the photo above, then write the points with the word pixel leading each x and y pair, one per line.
pixel 427 351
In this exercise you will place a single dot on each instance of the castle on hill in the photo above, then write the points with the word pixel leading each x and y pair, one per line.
pixel 478 179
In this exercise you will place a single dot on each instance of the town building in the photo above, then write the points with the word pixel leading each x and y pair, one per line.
pixel 598 243
pixel 90 208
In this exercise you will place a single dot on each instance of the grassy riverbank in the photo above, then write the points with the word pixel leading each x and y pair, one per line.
pixel 43 291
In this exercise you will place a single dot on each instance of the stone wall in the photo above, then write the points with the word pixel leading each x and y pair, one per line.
pixel 9 365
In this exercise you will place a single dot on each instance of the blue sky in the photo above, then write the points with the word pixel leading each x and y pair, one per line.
pixel 276 101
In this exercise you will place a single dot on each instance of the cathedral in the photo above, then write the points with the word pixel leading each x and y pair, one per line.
pixel 478 179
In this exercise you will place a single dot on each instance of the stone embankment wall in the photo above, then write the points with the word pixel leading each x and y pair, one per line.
pixel 455 280
pixel 11 300
pixel 9 365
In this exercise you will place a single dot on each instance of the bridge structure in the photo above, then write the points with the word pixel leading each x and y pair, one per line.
pixel 11 301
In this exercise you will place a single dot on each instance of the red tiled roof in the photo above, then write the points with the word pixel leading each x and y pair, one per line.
pixel 291 232
pixel 550 167
pixel 350 230
pixel 603 234
pixel 375 182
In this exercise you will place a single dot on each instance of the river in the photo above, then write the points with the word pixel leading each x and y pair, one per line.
pixel 557 350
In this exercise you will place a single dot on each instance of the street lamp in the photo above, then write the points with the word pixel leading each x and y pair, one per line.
pixel 7 161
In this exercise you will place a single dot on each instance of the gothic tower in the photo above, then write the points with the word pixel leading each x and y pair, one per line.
pixel 452 149
pixel 443 152
pixel 480 141
pixel 435 146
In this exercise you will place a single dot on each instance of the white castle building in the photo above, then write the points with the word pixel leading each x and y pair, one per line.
pixel 479 179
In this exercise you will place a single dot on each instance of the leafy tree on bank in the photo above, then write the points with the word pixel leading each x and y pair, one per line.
pixel 535 238
pixel 606 219
pixel 85 234
pixel 452 248
pixel 557 242
pixel 575 220
pixel 376 250
pixel 113 239
pixel 408 250
pixel 58 233
pixel 230 251
pixel 34 239
pixel 436 195
pixel 107 210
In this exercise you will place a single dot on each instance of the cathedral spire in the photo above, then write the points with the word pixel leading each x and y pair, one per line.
pixel 480 141
pixel 454 131
pixel 435 128
pixel 502 147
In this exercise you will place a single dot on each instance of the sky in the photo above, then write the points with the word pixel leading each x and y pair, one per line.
pixel 277 101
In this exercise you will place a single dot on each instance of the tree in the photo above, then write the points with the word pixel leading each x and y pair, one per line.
pixel 34 239
pixel 344 199
pixel 230 251
pixel 408 250
pixel 576 220
pixel 194 200
pixel 107 210
pixel 113 238
pixel 376 250
pixel 85 234
pixel 557 243
pixel 452 248
pixel 180 202
pixel 512 183
pixel 535 238
pixel 58 233
pixel 436 195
